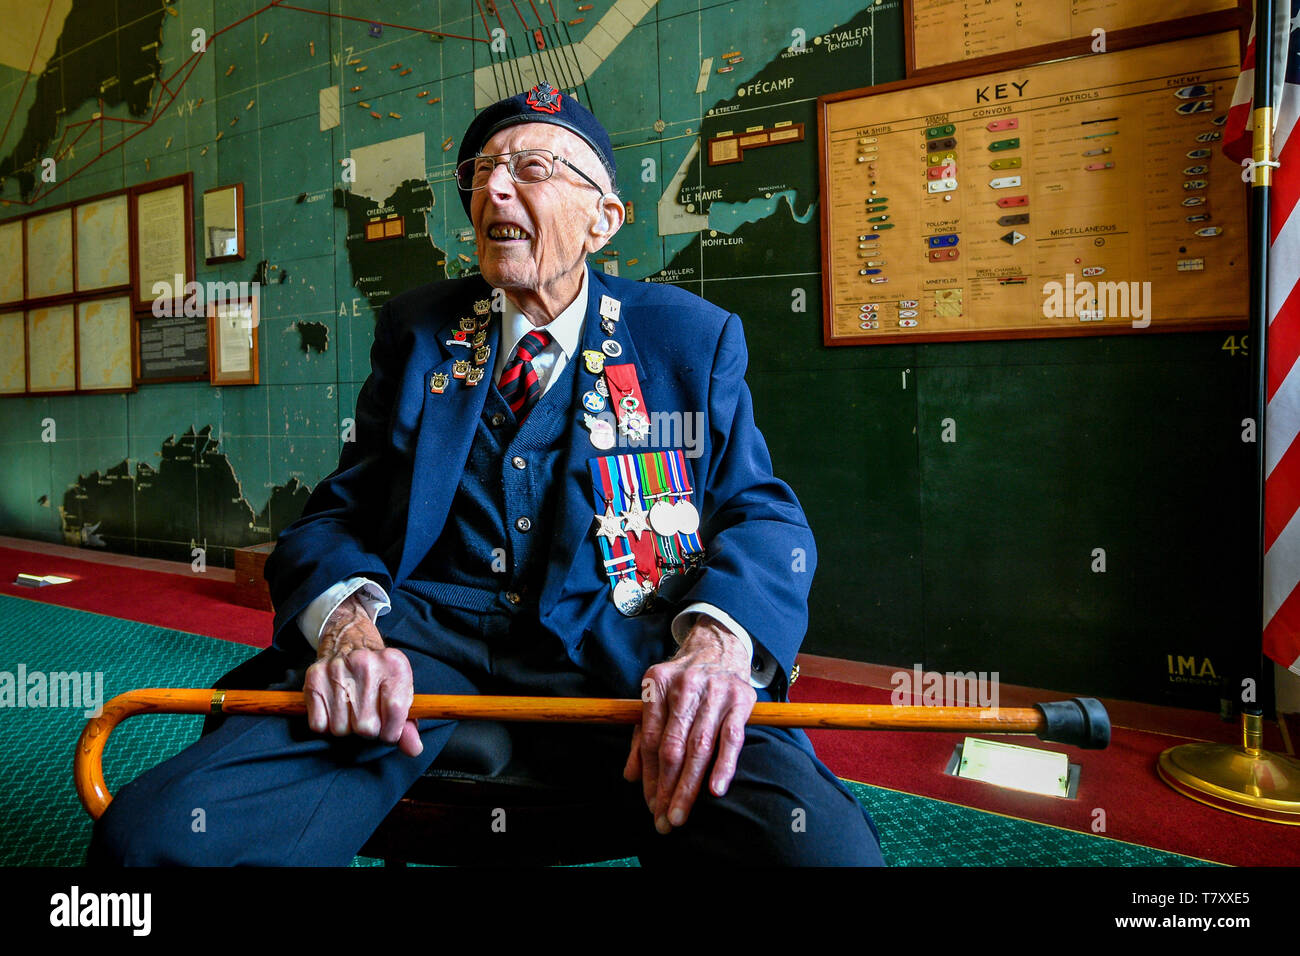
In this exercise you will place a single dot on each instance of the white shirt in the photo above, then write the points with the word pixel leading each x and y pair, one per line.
pixel 566 336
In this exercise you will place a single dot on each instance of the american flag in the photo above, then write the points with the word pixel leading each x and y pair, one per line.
pixel 1282 432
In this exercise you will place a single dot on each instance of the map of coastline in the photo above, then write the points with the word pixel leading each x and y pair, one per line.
pixel 89 65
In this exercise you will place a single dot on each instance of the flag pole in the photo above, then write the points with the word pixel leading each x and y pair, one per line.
pixel 1246 779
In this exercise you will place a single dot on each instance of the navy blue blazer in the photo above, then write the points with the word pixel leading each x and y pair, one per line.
pixel 384 507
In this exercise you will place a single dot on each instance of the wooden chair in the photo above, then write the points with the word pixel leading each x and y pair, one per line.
pixel 480 804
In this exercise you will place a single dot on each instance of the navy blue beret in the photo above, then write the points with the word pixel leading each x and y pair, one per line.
pixel 542 104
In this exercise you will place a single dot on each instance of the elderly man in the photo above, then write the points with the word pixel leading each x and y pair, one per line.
pixel 512 518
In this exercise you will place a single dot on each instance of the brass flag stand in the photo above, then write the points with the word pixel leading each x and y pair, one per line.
pixel 1247 779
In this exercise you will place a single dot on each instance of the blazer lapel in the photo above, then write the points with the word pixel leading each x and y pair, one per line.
pixel 448 421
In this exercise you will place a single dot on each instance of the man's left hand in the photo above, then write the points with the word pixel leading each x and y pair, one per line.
pixel 694 712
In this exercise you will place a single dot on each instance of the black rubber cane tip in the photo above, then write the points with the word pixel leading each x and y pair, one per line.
pixel 1080 722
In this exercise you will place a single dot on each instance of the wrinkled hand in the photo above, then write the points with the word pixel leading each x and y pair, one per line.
pixel 694 712
pixel 359 686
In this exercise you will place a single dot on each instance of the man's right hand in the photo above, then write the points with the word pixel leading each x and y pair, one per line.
pixel 359 686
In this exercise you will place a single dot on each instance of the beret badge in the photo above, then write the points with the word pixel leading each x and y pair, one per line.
pixel 544 98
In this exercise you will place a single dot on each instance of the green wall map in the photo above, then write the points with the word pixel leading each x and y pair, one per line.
pixel 965 555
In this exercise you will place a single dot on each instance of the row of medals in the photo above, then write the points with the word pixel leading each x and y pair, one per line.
pixel 666 518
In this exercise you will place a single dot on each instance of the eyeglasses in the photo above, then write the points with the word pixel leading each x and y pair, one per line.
pixel 526 166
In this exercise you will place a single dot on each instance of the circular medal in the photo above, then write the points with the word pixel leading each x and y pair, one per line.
pixel 663 518
pixel 687 518
pixel 592 402
pixel 611 348
pixel 602 434
pixel 628 597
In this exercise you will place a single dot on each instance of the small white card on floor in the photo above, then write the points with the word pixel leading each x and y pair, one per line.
pixel 39 580
pixel 1019 768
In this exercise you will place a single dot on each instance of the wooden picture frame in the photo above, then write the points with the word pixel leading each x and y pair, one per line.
pixel 106 345
pixel 49 253
pixel 13 268
pixel 162 240
pixel 930 27
pixel 13 353
pixel 72 271
pixel 51 349
pixel 102 227
pixel 223 224
pixel 1054 106
pixel 232 341
pixel 156 336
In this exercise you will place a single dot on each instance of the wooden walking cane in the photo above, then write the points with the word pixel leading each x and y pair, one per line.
pixel 1081 721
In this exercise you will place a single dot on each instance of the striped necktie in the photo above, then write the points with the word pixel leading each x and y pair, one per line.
pixel 519 384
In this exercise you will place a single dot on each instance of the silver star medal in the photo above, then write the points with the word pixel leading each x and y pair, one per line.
pixel 634 426
pixel 611 525
pixel 635 519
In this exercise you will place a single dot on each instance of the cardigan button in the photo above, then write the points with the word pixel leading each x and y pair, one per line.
pixel 512 597
pixel 523 524
pixel 519 462
pixel 498 419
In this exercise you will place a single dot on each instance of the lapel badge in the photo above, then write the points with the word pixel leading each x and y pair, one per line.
pixel 611 348
pixel 595 361
pixel 607 326
pixel 481 355
pixel 438 384
pixel 609 308
pixel 480 338
pixel 482 306
pixel 602 432
pixel 474 376
pixel 461 368
pixel 468 324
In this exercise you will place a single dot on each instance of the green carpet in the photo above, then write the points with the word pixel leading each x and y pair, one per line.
pixel 42 822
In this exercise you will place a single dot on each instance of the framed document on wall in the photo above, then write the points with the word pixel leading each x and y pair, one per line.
pixel 171 348
pixel 51 349
pixel 13 354
pixel 11 260
pixel 162 239
pixel 103 239
pixel 49 254
pixel 232 342
pixel 1041 200
pixel 943 33
pixel 105 345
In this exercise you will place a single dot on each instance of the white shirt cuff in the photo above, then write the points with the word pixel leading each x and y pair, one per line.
pixel 312 620
pixel 762 667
